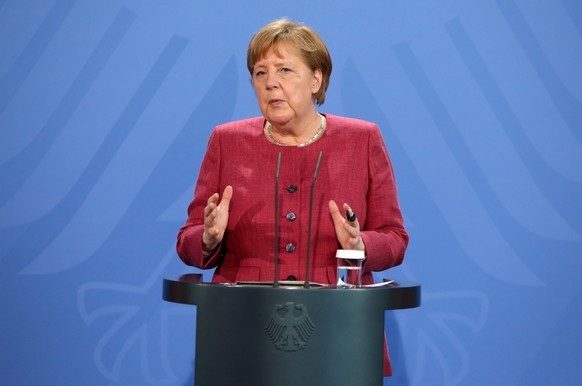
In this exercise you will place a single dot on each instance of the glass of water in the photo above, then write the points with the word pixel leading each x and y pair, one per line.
pixel 349 267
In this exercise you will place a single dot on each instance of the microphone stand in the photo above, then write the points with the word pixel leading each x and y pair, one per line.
pixel 306 285
pixel 276 279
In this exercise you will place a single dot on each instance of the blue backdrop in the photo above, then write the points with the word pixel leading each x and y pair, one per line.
pixel 105 112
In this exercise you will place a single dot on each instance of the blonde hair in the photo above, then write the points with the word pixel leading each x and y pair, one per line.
pixel 311 46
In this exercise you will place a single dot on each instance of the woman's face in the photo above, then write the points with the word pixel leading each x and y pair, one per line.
pixel 285 86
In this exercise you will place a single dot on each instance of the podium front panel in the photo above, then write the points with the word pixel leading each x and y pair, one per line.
pixel 257 335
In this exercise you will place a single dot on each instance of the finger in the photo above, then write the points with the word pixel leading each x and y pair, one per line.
pixel 350 214
pixel 335 212
pixel 352 230
pixel 226 197
pixel 209 221
pixel 208 209
pixel 352 225
pixel 212 199
pixel 332 207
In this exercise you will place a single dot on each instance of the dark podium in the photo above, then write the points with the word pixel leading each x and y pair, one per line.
pixel 258 335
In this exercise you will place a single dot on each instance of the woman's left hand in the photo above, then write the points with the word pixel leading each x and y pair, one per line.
pixel 347 232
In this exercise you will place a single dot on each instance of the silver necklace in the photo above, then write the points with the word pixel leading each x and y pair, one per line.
pixel 310 141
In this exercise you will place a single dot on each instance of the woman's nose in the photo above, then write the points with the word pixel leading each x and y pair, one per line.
pixel 272 81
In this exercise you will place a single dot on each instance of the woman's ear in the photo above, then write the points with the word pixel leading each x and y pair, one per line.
pixel 316 82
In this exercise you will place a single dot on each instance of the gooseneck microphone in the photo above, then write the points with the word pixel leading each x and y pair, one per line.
pixel 307 262
pixel 276 280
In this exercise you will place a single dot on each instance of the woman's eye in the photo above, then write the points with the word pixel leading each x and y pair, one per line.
pixel 285 69
pixel 260 74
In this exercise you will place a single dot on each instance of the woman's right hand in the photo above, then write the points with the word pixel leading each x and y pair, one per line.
pixel 215 219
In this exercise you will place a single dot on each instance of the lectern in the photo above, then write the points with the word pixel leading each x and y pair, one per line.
pixel 258 335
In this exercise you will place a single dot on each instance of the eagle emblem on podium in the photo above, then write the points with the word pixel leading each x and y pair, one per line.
pixel 289 327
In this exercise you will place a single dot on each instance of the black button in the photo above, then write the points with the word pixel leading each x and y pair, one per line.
pixel 291 216
pixel 290 247
pixel 292 188
pixel 291 277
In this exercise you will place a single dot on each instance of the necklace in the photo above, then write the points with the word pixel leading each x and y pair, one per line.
pixel 310 141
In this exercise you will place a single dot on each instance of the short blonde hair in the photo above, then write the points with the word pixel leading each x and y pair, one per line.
pixel 308 42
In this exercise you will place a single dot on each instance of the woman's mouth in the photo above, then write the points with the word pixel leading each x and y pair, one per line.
pixel 275 102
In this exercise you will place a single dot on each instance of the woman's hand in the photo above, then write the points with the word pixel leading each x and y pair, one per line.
pixel 215 219
pixel 347 232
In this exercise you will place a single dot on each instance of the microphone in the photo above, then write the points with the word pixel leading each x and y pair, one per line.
pixel 307 263
pixel 276 279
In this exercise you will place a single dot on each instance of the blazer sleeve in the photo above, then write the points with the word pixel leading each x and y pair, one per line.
pixel 189 243
pixel 383 234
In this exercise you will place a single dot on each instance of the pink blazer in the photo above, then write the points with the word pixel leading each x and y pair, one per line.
pixel 355 168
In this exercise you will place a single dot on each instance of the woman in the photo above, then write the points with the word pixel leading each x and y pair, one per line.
pixel 290 69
